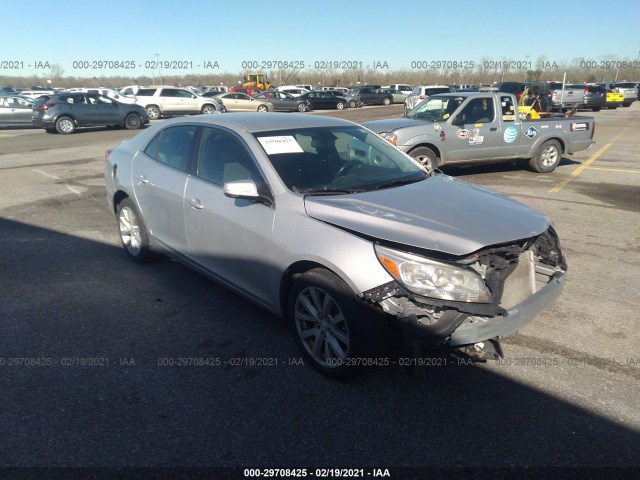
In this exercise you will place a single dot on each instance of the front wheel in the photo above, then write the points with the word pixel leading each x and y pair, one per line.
pixel 425 156
pixel 340 105
pixel 352 104
pixel 547 157
pixel 133 232
pixel 65 125
pixel 263 108
pixel 302 107
pixel 386 101
pixel 331 327
pixel 133 121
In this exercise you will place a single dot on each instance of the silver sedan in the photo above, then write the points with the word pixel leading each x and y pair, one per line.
pixel 321 221
pixel 15 110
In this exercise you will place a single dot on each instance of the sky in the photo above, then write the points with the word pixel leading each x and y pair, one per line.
pixel 211 36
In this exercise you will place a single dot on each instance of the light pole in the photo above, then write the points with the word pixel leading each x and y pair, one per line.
pixel 158 65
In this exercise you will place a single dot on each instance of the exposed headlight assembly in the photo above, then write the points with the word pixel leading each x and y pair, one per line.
pixel 430 278
pixel 389 137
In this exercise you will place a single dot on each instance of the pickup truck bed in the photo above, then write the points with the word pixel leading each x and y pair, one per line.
pixel 460 128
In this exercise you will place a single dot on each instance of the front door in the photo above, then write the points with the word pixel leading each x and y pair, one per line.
pixel 478 133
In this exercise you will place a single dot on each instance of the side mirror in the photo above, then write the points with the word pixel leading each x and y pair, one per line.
pixel 244 189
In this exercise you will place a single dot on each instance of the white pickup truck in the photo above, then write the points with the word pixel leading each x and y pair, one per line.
pixel 476 127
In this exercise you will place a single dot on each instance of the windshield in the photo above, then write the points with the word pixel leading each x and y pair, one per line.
pixel 437 108
pixel 345 159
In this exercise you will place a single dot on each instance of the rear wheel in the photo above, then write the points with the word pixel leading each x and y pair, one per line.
pixel 263 108
pixel 133 232
pixel 547 157
pixel 302 107
pixel 425 156
pixel 352 104
pixel 386 101
pixel 65 125
pixel 133 121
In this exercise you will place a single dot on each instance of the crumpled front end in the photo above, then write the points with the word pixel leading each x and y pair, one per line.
pixel 523 278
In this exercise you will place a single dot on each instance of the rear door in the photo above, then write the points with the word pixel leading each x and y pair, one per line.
pixel 159 175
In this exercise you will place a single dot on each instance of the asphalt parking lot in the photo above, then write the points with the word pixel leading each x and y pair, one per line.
pixel 91 345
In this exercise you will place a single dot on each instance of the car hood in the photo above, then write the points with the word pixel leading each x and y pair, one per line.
pixel 439 214
pixel 392 124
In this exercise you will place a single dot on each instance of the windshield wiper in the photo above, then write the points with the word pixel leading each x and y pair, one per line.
pixel 329 191
pixel 400 181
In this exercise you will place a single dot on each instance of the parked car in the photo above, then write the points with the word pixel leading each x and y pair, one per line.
pixel 401 87
pixel 593 97
pixel 293 90
pixel 283 102
pixel 15 110
pixel 322 222
pixel 322 99
pixel 239 102
pixel 396 95
pixel 167 101
pixel 516 88
pixel 613 99
pixel 66 112
pixel 8 91
pixel 373 96
pixel 251 91
pixel 351 96
pixel 628 89
pixel 422 92
pixel 107 92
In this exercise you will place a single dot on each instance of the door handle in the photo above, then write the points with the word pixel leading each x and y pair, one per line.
pixel 195 203
pixel 493 129
pixel 142 179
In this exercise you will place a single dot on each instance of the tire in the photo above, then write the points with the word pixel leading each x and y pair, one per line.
pixel 208 109
pixel 262 108
pixel 425 156
pixel 153 111
pixel 595 109
pixel 302 107
pixel 65 125
pixel 386 101
pixel 133 233
pixel 547 157
pixel 133 121
pixel 331 326
pixel 352 104
pixel 340 105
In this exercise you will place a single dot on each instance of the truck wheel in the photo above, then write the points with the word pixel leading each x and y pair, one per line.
pixel 547 157
pixel 425 156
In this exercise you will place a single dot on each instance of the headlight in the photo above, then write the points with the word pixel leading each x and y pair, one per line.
pixel 389 137
pixel 429 278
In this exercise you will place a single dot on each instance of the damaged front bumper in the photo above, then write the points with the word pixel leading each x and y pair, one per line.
pixel 456 328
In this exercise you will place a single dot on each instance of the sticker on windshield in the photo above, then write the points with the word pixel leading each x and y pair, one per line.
pixel 281 144
pixel 510 134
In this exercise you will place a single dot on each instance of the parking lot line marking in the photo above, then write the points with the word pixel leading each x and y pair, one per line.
pixel 77 192
pixel 586 164
pixel 615 170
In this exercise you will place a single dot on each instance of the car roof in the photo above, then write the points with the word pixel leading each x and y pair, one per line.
pixel 261 122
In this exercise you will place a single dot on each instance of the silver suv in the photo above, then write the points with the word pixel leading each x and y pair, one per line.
pixel 422 92
pixel 167 101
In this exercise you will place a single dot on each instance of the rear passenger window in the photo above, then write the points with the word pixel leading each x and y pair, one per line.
pixel 173 146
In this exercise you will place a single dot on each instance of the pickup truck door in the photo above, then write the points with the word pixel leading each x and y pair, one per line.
pixel 510 127
pixel 474 132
